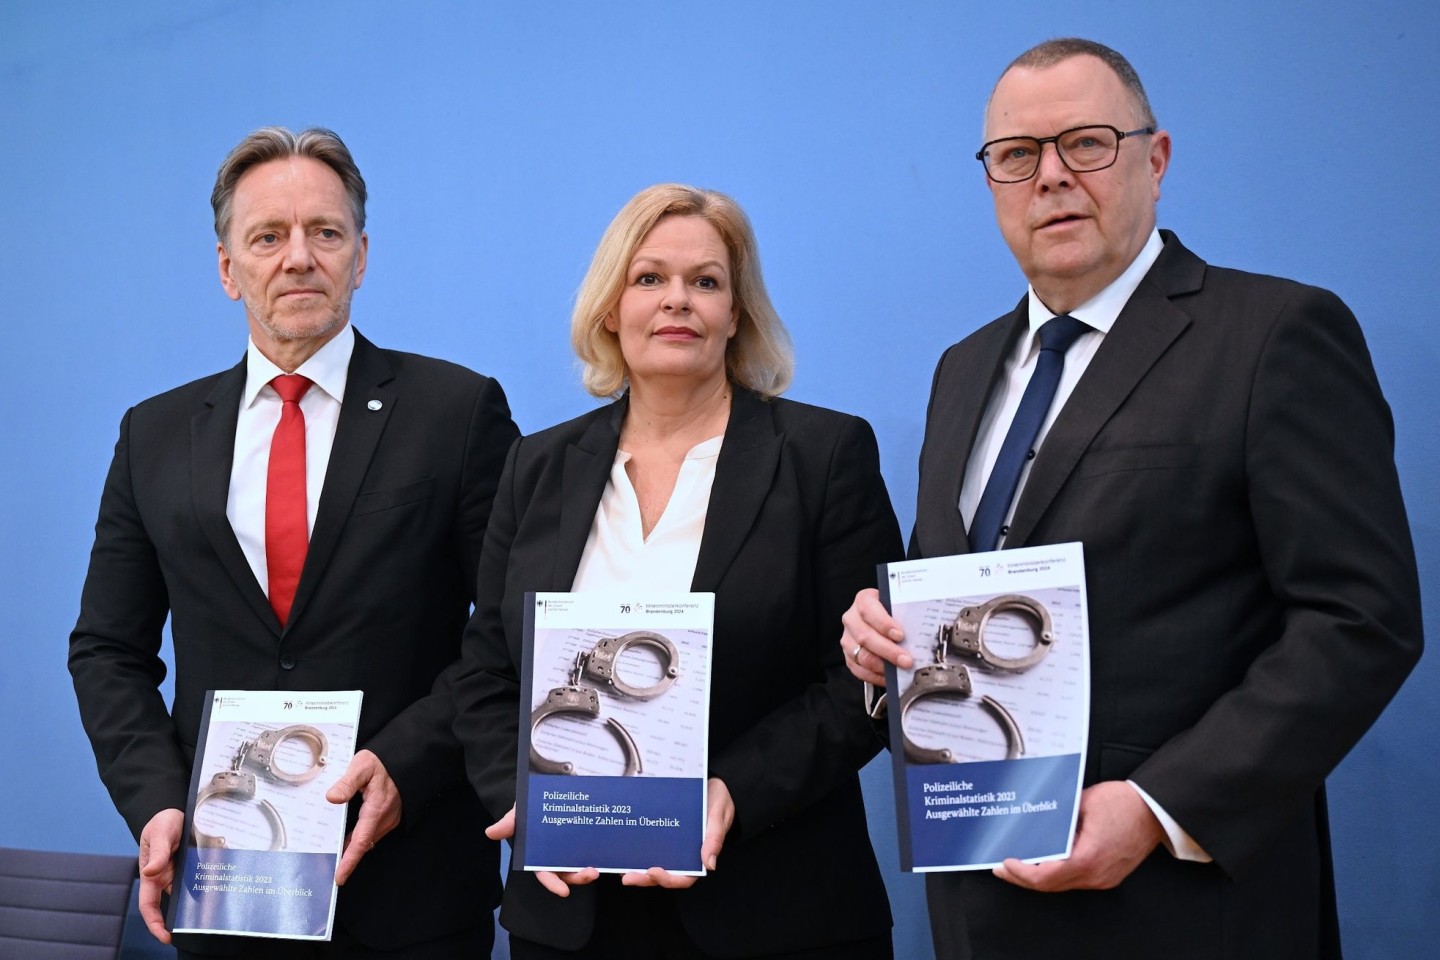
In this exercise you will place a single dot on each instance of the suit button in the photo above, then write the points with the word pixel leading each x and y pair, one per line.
pixel 287 663
pixel 1003 532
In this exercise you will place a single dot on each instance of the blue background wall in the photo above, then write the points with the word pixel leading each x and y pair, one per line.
pixel 499 138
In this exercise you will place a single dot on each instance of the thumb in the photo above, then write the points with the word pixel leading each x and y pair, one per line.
pixel 504 828
pixel 341 791
pixel 347 786
pixel 155 860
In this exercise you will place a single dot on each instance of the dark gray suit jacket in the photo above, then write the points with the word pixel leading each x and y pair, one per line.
pixel 1227 462
pixel 381 605
pixel 797 521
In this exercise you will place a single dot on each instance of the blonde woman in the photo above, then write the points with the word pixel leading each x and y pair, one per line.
pixel 698 477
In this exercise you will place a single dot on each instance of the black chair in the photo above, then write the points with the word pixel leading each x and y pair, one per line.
pixel 62 906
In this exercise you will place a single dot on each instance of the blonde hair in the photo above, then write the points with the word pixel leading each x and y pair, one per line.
pixel 758 357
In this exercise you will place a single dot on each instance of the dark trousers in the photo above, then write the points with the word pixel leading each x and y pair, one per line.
pixel 472 944
pixel 641 923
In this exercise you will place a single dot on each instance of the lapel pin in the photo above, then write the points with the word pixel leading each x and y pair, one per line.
pixel 374 404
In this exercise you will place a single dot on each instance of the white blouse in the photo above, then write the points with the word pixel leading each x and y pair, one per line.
pixel 617 553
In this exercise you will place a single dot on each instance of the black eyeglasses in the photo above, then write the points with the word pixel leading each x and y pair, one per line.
pixel 1082 149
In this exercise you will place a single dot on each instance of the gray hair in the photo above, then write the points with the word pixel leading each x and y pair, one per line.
pixel 1051 52
pixel 277 143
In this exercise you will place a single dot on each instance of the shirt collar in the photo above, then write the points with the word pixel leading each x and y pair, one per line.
pixel 1101 310
pixel 328 369
pixel 704 450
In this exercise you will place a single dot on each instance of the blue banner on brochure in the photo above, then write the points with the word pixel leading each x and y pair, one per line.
pixel 575 822
pixel 273 893
pixel 982 813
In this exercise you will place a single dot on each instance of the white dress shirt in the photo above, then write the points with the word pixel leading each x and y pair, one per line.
pixel 1099 313
pixel 260 409
pixel 618 554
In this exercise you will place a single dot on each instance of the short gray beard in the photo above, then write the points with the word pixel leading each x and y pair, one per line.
pixel 335 321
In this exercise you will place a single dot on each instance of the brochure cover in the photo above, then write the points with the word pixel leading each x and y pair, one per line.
pixel 262 840
pixel 614 732
pixel 988 730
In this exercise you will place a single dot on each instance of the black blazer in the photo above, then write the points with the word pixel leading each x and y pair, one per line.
pixel 798 518
pixel 1227 462
pixel 381 605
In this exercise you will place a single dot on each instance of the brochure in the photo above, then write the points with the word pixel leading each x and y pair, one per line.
pixel 614 732
pixel 988 729
pixel 262 842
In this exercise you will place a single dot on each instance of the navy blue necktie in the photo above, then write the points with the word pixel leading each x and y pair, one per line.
pixel 1056 336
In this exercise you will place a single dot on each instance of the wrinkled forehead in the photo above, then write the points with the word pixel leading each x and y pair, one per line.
pixel 1042 101
pixel 292 186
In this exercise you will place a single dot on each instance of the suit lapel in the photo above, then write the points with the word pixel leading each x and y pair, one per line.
pixel 212 453
pixel 743 476
pixel 1145 329
pixel 587 469
pixel 958 406
pixel 370 381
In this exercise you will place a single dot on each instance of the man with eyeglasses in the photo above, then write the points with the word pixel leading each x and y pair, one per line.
pixel 1218 442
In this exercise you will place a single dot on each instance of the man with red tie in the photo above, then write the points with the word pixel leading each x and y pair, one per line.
pixel 309 519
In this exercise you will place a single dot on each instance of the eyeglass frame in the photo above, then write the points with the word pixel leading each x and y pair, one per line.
pixel 1120 135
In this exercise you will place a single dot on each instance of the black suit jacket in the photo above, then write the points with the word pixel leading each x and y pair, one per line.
pixel 797 521
pixel 381 606
pixel 1227 462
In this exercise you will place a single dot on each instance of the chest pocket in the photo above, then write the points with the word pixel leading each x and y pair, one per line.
pixel 1150 456
pixel 377 501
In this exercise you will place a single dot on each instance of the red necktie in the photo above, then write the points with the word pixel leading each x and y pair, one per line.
pixel 287 533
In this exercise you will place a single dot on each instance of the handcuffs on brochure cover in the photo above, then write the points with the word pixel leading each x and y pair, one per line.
pixel 966 636
pixel 240 784
pixel 598 666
